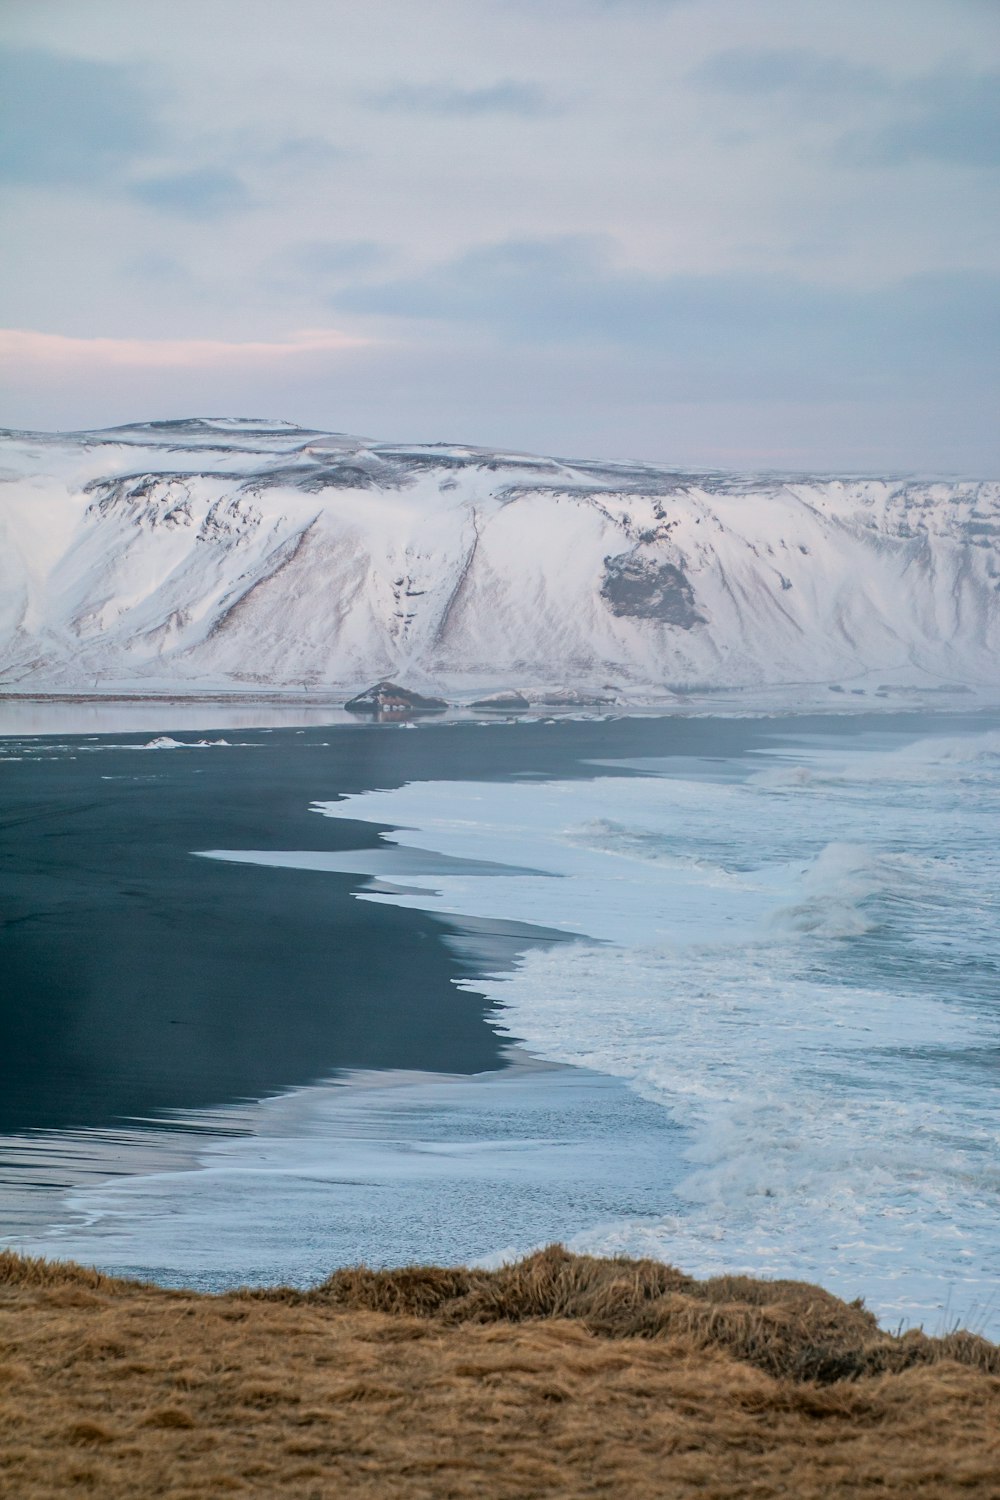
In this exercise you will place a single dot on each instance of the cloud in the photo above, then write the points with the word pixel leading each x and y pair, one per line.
pixel 74 120
pixel 810 75
pixel 304 151
pixel 953 118
pixel 950 116
pixel 201 193
pixel 524 100
pixel 69 119
pixel 534 288
pixel 21 347
pixel 600 8
pixel 154 265
pixel 568 290
pixel 740 330
pixel 257 148
pixel 318 259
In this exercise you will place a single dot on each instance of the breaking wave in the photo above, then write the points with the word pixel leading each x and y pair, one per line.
pixel 809 987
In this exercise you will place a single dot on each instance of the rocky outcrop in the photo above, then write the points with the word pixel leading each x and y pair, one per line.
pixel 390 698
pixel 571 698
pixel 508 702
pixel 648 589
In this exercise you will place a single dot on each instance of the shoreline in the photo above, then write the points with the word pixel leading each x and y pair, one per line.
pixel 42 713
pixel 395 1167
pixel 272 781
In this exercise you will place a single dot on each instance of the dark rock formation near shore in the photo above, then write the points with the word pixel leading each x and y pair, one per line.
pixel 390 698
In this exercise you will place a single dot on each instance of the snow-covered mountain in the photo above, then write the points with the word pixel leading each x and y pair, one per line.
pixel 241 554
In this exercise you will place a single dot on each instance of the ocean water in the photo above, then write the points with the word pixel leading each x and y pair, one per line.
pixel 384 1168
pixel 779 1000
pixel 799 962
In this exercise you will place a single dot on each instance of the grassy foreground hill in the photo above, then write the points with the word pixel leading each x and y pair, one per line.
pixel 560 1376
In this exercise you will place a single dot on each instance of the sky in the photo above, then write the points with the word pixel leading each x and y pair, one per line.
pixel 702 232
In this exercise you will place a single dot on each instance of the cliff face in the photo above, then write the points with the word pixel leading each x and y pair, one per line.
pixel 244 554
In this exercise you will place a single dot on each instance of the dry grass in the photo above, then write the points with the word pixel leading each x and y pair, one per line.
pixel 561 1376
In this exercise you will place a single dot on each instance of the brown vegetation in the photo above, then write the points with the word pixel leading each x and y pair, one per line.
pixel 560 1376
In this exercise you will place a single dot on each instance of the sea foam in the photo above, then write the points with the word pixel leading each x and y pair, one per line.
pixel 800 967
pixel 790 960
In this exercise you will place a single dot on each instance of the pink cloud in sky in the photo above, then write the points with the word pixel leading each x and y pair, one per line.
pixel 20 347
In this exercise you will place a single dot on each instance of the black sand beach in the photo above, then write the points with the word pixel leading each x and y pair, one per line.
pixel 139 978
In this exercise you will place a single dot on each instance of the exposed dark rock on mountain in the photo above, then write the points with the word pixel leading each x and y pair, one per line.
pixel 647 589
pixel 572 698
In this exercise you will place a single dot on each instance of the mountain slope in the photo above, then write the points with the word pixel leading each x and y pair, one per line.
pixel 237 553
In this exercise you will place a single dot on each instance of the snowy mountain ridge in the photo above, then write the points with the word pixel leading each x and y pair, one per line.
pixel 241 554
